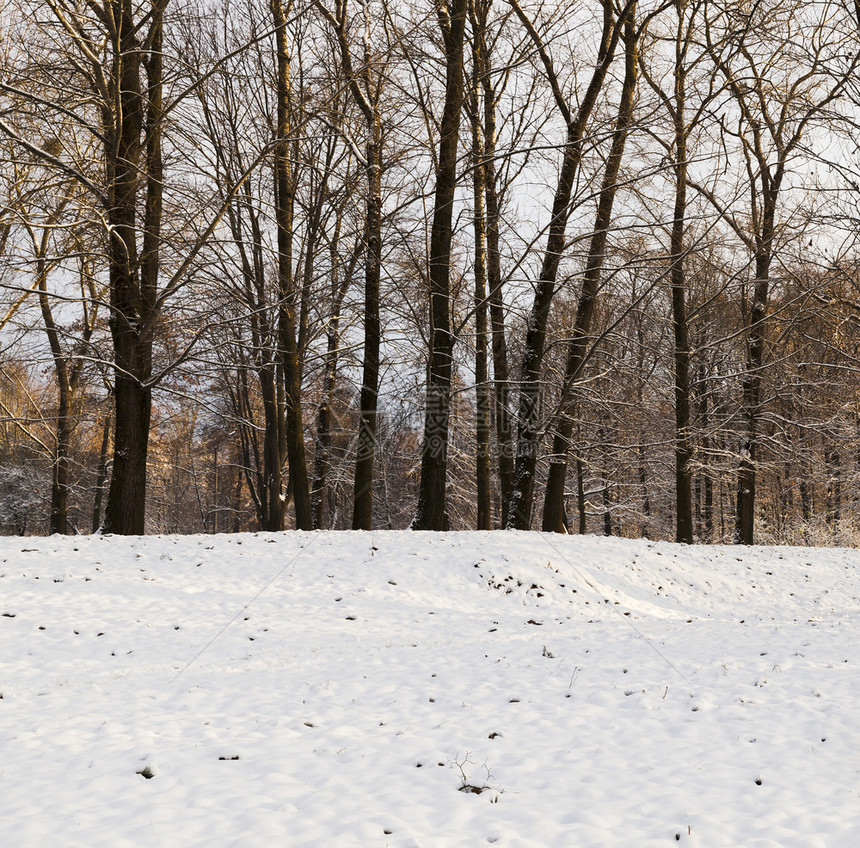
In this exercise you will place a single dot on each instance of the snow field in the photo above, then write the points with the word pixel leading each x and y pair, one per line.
pixel 410 689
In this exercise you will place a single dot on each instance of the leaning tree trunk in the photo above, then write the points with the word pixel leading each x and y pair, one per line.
pixel 553 511
pixel 66 374
pixel 528 428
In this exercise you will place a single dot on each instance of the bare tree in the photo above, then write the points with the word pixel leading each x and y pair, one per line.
pixel 365 86
pixel 576 122
pixel 553 513
pixel 430 513
pixel 777 101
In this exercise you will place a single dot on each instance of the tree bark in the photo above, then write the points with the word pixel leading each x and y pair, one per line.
pixel 362 515
pixel 67 371
pixel 580 498
pixel 704 419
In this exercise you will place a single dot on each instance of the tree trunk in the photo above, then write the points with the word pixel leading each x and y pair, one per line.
pixel 126 505
pixel 646 500
pixel 607 508
pixel 806 507
pixel 365 87
pixel 322 454
pixel 66 375
pixel 101 474
pixel 272 490
pixel 683 436
pixel 704 419
pixel 528 428
pixel 580 498
pixel 133 279
pixel 60 485
pixel 482 387
pixel 751 402
pixel 501 373
pixel 833 464
pixel 362 515
pixel 289 351
pixel 553 511
pixel 431 513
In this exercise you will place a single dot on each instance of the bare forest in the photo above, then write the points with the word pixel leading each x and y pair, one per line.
pixel 583 267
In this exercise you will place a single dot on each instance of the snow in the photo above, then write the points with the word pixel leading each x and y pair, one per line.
pixel 419 689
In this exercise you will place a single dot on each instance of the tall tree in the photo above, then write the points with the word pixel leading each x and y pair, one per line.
pixel 365 86
pixel 131 86
pixel 68 356
pixel 576 122
pixel 675 104
pixel 479 188
pixel 489 85
pixel 780 82
pixel 98 68
pixel 430 512
pixel 287 330
pixel 577 348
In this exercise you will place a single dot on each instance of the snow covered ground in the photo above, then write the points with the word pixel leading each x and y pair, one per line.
pixel 410 689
